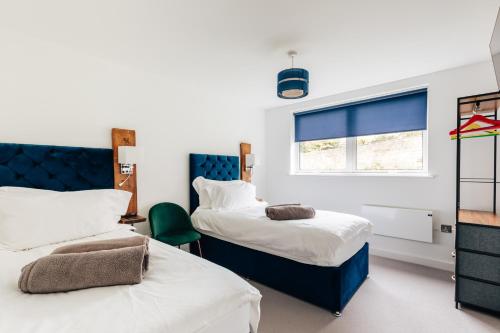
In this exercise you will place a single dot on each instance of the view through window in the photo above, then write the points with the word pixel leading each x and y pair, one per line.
pixel 397 152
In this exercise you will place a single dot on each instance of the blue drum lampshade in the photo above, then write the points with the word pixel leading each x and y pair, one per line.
pixel 293 83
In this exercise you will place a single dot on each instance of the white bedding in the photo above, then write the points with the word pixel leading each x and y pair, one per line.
pixel 329 239
pixel 180 293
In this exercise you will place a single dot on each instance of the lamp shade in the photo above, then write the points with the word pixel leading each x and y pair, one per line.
pixel 128 155
pixel 293 83
pixel 251 160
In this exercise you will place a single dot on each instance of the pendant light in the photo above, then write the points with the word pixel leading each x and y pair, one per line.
pixel 293 82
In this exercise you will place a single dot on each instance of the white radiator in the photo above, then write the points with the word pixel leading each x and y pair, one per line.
pixel 406 223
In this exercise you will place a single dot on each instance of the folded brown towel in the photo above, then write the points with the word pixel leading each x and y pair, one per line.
pixel 77 266
pixel 108 244
pixel 290 212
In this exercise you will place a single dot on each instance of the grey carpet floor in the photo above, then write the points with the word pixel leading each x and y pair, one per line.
pixel 398 297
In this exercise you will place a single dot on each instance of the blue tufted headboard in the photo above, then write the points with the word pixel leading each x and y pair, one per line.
pixel 56 168
pixel 217 167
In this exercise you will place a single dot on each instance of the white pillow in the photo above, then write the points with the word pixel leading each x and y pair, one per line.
pixel 232 196
pixel 31 217
pixel 201 186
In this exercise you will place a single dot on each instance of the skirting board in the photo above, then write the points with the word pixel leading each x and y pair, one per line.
pixel 438 264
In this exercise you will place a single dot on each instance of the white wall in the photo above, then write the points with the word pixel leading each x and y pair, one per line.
pixel 349 193
pixel 53 94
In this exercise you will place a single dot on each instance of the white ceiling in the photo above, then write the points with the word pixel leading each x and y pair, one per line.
pixel 241 45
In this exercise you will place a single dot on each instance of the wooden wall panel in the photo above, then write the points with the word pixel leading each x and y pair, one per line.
pixel 246 175
pixel 124 137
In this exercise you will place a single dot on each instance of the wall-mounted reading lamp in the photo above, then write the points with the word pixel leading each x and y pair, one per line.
pixel 251 161
pixel 127 157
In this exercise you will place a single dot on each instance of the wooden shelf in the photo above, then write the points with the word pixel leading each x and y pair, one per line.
pixel 478 217
pixel 132 219
pixel 489 103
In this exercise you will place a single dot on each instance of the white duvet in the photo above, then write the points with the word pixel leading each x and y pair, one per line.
pixel 329 239
pixel 180 293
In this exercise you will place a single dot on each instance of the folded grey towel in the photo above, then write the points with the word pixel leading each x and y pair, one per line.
pixel 74 267
pixel 290 212
pixel 108 244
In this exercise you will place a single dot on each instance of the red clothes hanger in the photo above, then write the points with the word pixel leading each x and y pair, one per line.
pixel 494 124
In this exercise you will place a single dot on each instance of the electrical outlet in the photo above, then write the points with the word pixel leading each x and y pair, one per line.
pixel 446 228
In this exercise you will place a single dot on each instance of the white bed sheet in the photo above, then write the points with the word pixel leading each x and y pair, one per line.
pixel 235 321
pixel 329 239
pixel 180 293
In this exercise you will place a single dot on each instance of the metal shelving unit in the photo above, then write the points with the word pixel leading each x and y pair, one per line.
pixel 477 237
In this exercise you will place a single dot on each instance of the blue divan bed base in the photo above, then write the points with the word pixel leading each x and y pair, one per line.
pixel 328 287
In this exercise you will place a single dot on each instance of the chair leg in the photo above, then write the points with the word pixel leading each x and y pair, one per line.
pixel 199 248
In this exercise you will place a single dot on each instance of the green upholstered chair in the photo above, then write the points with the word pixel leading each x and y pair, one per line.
pixel 171 224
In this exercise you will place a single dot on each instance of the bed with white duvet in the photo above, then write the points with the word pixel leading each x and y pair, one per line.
pixel 230 212
pixel 329 239
pixel 179 293
pixel 323 260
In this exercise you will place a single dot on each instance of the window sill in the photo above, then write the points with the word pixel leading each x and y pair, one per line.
pixel 366 174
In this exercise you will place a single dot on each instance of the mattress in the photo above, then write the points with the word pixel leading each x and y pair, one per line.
pixel 329 239
pixel 180 293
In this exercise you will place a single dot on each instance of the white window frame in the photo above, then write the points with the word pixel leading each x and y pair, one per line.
pixel 351 152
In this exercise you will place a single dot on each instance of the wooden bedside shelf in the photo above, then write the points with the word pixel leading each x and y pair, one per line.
pixel 132 219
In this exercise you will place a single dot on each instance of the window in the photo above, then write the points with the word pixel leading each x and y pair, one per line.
pixel 325 155
pixel 390 152
pixel 385 135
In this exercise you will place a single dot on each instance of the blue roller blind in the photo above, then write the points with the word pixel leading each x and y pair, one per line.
pixel 395 113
